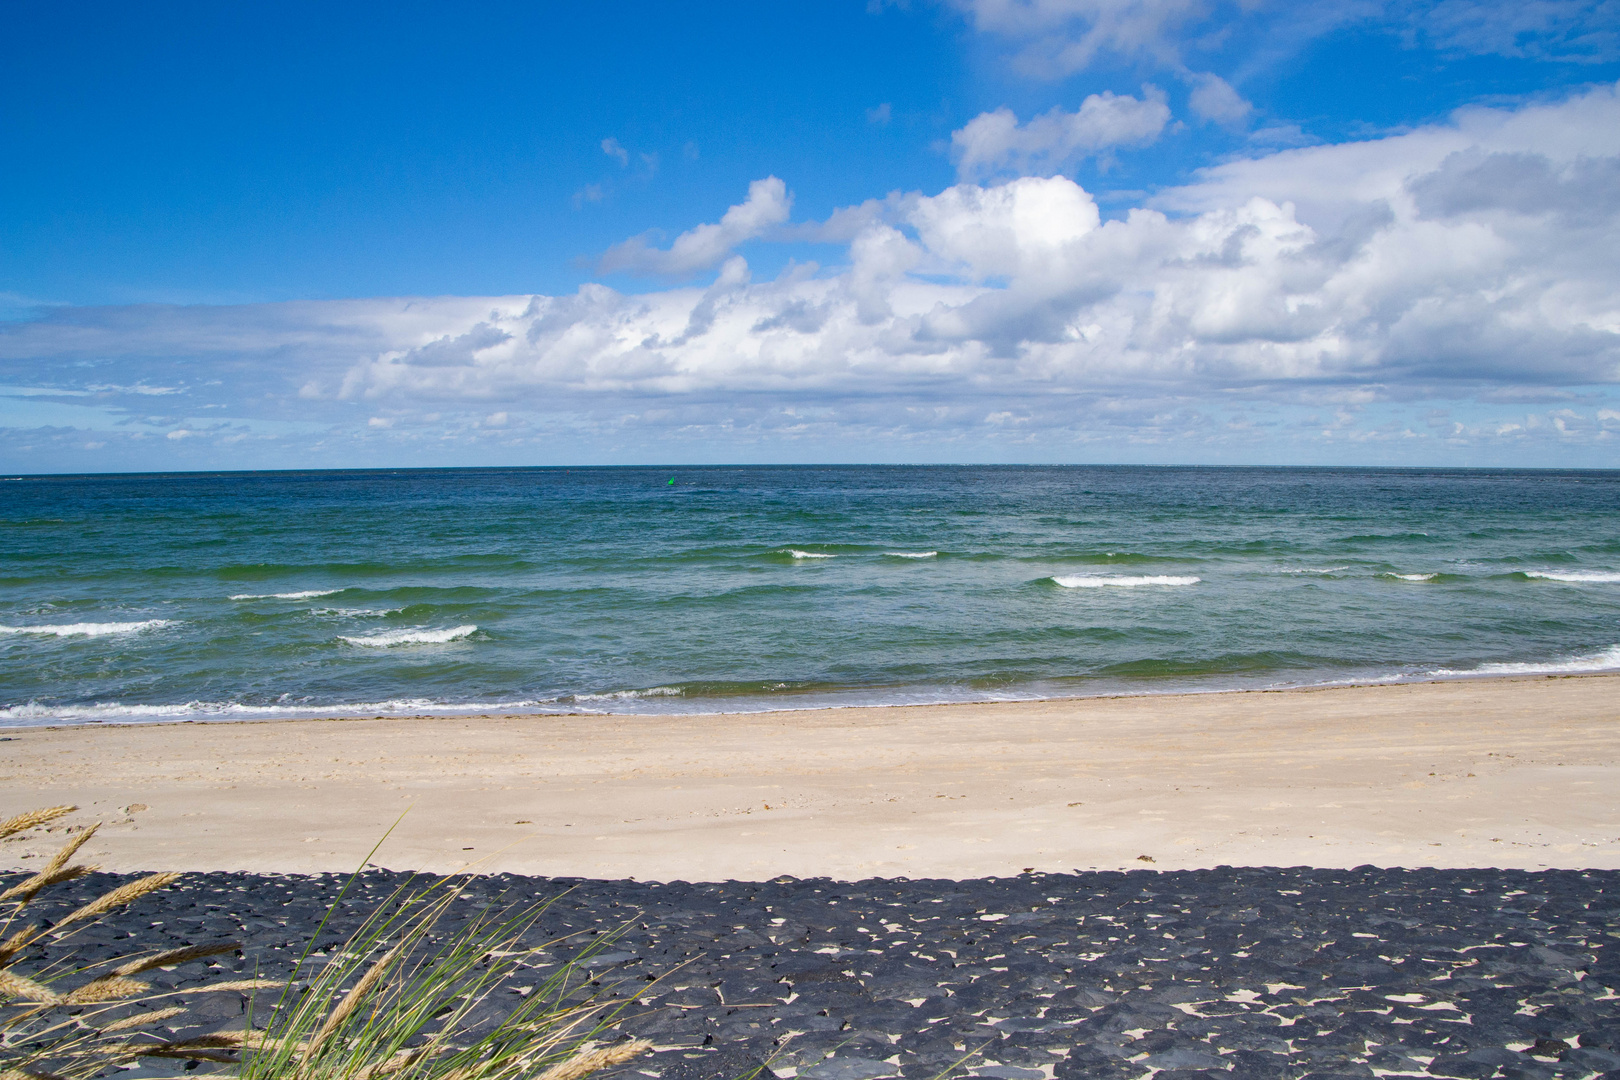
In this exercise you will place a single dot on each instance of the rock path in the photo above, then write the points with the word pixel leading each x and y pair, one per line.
pixel 1242 973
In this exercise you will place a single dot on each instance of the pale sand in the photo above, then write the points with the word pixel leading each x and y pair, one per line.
pixel 1506 773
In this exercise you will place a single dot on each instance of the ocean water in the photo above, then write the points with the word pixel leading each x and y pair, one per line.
pixel 707 589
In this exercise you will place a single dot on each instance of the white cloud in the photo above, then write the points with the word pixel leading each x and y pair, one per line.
pixel 1060 37
pixel 1405 269
pixel 1213 98
pixel 1056 38
pixel 995 142
pixel 703 247
pixel 618 153
pixel 1442 264
pixel 1568 30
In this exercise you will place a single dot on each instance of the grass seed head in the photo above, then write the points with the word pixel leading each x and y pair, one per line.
pixel 120 896
pixel 24 891
pixel 16 943
pixel 13 985
pixel 174 956
pixel 32 818
pixel 106 988
pixel 156 1016
pixel 590 1061
pixel 241 986
pixel 351 1000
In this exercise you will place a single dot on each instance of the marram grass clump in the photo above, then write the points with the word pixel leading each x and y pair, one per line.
pixel 396 1001
pixel 62 1019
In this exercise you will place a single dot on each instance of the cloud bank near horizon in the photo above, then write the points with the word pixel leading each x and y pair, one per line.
pixel 1284 305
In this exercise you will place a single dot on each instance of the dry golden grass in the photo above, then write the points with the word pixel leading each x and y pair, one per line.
pixel 389 1006
pixel 31 819
pixel 590 1061
pixel 60 1020
pixel 120 896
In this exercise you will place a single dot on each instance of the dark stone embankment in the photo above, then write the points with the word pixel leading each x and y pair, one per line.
pixel 1245 973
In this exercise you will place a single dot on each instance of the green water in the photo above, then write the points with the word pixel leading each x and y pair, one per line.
pixel 287 594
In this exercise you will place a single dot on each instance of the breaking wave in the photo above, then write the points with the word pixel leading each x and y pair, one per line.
pixel 305 595
pixel 631 695
pixel 112 712
pixel 1607 660
pixel 417 636
pixel 1575 577
pixel 87 629
pixel 1098 581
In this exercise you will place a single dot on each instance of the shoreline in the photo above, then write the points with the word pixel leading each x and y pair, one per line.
pixel 494 709
pixel 1504 771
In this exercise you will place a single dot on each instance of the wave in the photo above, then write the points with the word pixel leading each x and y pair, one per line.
pixel 305 595
pixel 1607 660
pixel 1311 569
pixel 797 554
pixel 113 712
pixel 1575 577
pixel 1098 581
pixel 1411 577
pixel 416 636
pixel 87 629
pixel 911 554
pixel 629 695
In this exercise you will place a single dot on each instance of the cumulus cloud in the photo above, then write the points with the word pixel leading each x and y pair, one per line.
pixel 996 142
pixel 705 246
pixel 1323 284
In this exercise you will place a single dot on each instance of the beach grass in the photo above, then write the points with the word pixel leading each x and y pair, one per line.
pixel 396 1000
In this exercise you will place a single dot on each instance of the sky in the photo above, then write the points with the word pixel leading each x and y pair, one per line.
pixel 1348 232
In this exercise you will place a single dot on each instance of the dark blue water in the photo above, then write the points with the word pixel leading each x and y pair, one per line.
pixel 379 592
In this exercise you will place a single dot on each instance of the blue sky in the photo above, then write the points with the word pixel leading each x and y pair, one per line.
pixel 996 230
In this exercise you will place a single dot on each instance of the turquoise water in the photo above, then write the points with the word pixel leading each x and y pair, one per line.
pixel 616 590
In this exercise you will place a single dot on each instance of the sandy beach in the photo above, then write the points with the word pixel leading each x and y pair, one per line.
pixel 1515 773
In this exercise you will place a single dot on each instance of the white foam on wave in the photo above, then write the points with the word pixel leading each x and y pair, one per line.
pixel 420 635
pixel 1575 577
pixel 797 554
pixel 87 629
pixel 912 554
pixel 112 712
pixel 1607 660
pixel 1098 581
pixel 631 695
pixel 1312 569
pixel 1412 577
pixel 305 595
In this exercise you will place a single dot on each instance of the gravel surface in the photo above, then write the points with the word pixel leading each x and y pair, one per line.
pixel 1243 972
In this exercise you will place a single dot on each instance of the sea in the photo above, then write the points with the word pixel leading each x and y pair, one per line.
pixel 712 589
